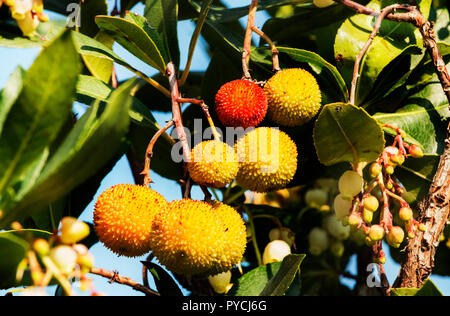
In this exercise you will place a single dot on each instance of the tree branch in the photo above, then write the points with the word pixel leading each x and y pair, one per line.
pixel 115 277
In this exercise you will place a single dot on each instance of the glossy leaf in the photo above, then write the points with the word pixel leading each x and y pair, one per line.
pixel 88 11
pixel 12 250
pixel 36 118
pixel 255 281
pixel 94 140
pixel 163 16
pixel 391 41
pixel 416 175
pixel 99 67
pixel 281 282
pixel 10 93
pixel 133 38
pixel 165 284
pixel 344 132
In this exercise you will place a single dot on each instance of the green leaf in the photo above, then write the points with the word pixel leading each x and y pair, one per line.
pixel 416 175
pixel 12 250
pixel 99 67
pixel 134 39
pixel 88 11
pixel 428 289
pixel 165 284
pixel 420 119
pixel 163 16
pixel 281 282
pixel 95 138
pixel 346 133
pixel 255 281
pixel 321 67
pixel 10 93
pixel 392 39
pixel 34 121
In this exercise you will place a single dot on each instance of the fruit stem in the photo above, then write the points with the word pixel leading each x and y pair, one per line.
pixel 235 196
pixel 273 48
pixel 149 152
pixel 205 109
pixel 248 39
pixel 253 232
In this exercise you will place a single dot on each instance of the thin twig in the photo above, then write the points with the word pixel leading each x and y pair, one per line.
pixel 273 48
pixel 149 152
pixel 248 39
pixel 115 277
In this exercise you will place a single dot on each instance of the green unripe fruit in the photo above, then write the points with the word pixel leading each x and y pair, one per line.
pixel 390 170
pixel 318 241
pixel 367 216
pixel 316 198
pixel 369 242
pixel 342 206
pixel 294 97
pixel 86 262
pixel 73 230
pixel 405 214
pixel 376 233
pixel 335 227
pixel 395 236
pixel 65 258
pixel 371 203
pixel 323 3
pixel 375 169
pixel 337 248
pixel 350 184
pixel 411 234
pixel 275 251
pixel 220 282
pixel 398 159
pixel 422 227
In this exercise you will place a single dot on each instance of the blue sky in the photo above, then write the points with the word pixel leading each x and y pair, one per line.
pixel 11 58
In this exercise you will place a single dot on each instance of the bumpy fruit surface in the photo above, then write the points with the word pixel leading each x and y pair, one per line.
pixel 213 163
pixel 350 184
pixel 267 160
pixel 294 97
pixel 194 237
pixel 342 206
pixel 275 251
pixel 123 218
pixel 73 230
pixel 318 241
pixel 220 282
pixel 241 103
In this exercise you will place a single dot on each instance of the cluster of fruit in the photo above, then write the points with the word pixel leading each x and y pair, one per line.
pixel 265 159
pixel 357 204
pixel 186 236
pixel 62 256
pixel 27 13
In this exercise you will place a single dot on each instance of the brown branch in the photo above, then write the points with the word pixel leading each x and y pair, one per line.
pixel 149 152
pixel 248 39
pixel 115 277
pixel 275 52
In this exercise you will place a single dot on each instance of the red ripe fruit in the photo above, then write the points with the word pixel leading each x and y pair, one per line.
pixel 241 103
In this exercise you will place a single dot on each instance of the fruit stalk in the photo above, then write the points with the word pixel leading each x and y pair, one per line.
pixel 248 39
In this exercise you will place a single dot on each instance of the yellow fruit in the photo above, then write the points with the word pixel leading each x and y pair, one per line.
pixel 267 160
pixel 294 97
pixel 123 218
pixel 73 230
pixel 213 163
pixel 194 237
